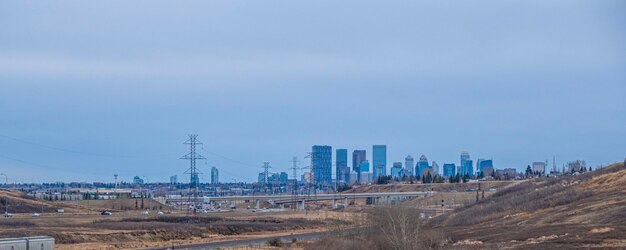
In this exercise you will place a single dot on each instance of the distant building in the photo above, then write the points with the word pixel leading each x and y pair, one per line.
pixel 364 166
pixel 576 166
pixel 195 180
pixel 466 164
pixel 358 156
pixel 422 166
pixel 507 173
pixel 322 161
pixel 215 175
pixel 485 166
pixel 341 162
pixel 174 179
pixel 261 177
pixel 408 166
pixel 397 170
pixel 283 177
pixel 137 180
pixel 366 177
pixel 449 169
pixel 539 167
pixel 379 160
pixel 435 168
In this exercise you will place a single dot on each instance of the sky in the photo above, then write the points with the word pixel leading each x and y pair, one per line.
pixel 89 89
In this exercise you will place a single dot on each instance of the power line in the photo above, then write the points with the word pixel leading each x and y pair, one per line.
pixel 69 150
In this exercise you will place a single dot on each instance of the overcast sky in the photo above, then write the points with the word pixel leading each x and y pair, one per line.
pixel 93 88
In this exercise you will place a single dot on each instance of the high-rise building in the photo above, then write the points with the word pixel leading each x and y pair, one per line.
pixel 215 175
pixel 396 170
pixel 449 169
pixel 358 156
pixel 283 178
pixel 486 167
pixel 195 180
pixel 435 167
pixel 379 160
pixel 364 170
pixel 539 167
pixel 422 166
pixel 408 166
pixel 341 163
pixel 466 167
pixel 174 179
pixel 322 162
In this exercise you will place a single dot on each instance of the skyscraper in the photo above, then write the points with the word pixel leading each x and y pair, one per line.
pixel 435 168
pixel 364 172
pixel 215 175
pixel 174 179
pixel 342 172
pixel 449 169
pixel 379 160
pixel 396 170
pixel 422 166
pixel 408 165
pixel 466 164
pixel 321 160
pixel 358 156
pixel 485 167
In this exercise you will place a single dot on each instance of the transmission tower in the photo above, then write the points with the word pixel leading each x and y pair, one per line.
pixel 192 157
pixel 266 171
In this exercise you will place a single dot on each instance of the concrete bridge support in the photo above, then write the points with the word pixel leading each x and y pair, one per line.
pixel 301 205
pixel 256 204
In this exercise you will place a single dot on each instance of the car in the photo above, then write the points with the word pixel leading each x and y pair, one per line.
pixel 106 212
pixel 160 212
pixel 8 215
pixel 145 212
pixel 35 215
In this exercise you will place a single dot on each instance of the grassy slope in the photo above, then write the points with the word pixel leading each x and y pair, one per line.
pixel 578 211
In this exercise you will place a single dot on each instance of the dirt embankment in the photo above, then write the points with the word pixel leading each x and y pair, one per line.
pixel 571 211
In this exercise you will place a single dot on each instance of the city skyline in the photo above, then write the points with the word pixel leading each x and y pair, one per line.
pixel 92 89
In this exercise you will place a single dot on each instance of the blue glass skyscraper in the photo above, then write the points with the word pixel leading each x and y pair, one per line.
pixel 422 166
pixel 321 160
pixel 379 160
pixel 449 169
pixel 341 162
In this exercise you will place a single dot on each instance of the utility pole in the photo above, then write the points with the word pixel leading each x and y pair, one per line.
pixel 192 171
pixel 294 191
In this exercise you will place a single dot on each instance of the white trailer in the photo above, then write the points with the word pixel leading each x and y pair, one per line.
pixel 27 243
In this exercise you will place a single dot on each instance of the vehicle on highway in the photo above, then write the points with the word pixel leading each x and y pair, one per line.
pixel 35 215
pixel 145 212
pixel 106 212
pixel 160 212
pixel 8 215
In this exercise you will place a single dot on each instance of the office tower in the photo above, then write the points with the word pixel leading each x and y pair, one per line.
pixel 364 170
pixel 539 167
pixel 408 166
pixel 396 170
pixel 283 178
pixel 379 160
pixel 215 175
pixel 195 180
pixel 435 168
pixel 358 156
pixel 466 164
pixel 449 170
pixel 342 171
pixel 174 179
pixel 485 167
pixel 322 163
pixel 422 166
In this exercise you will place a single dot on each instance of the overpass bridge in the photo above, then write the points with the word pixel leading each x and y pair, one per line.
pixel 302 199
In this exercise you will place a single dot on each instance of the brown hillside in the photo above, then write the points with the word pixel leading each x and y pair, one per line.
pixel 20 203
pixel 587 210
